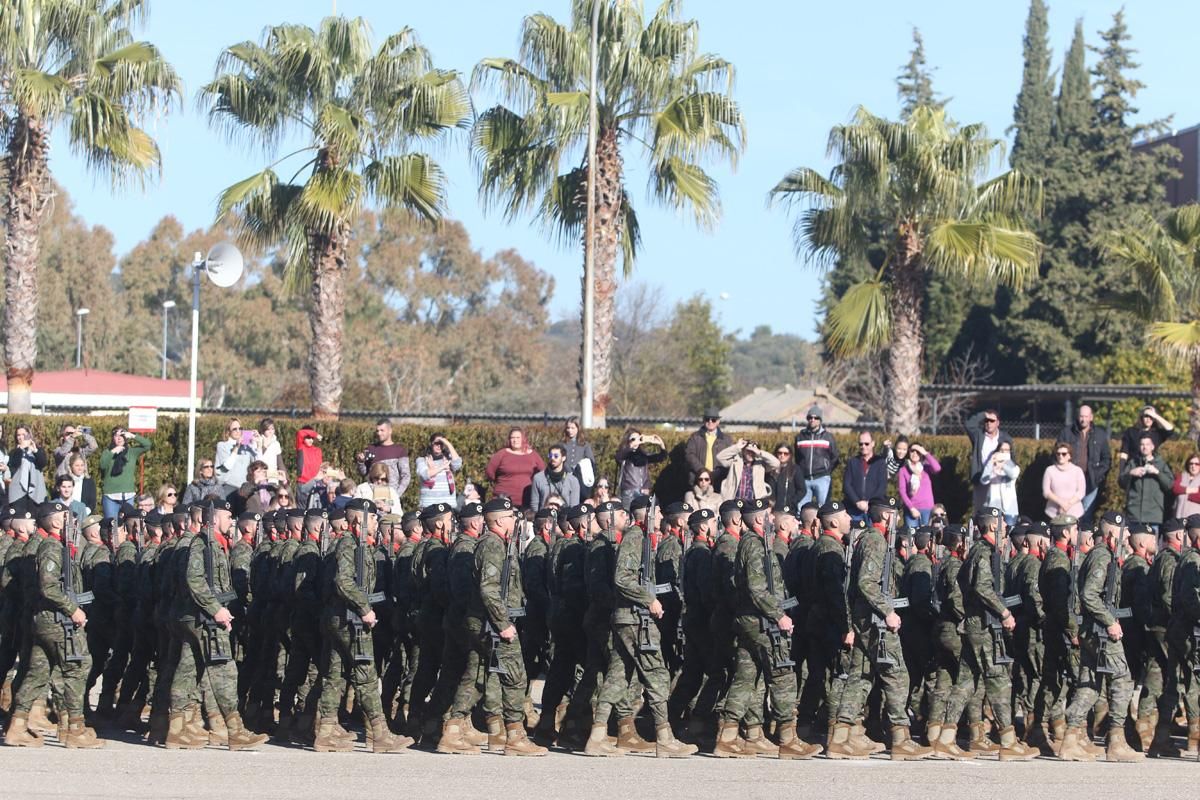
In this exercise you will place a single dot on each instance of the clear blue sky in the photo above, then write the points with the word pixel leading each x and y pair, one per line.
pixel 801 68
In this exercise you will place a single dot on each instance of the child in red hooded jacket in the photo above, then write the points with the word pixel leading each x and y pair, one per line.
pixel 308 454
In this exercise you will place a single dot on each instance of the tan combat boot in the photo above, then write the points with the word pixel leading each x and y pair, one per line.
pixel 667 746
pixel 858 735
pixel 452 741
pixel 1072 748
pixel 1100 715
pixel 78 736
pixel 729 744
pixel 1013 749
pixel 472 735
pixel 1144 726
pixel 516 742
pixel 933 732
pixel 1035 737
pixel 532 717
pixel 980 743
pixel 629 739
pixel 758 744
pixel 1193 740
pixel 383 740
pixel 19 735
pixel 326 739
pixel 178 737
pixel 840 745
pixel 598 744
pixel 39 721
pixel 1089 745
pixel 237 737
pixel 792 747
pixel 1058 732
pixel 218 731
pixel 1119 750
pixel 192 724
pixel 947 747
pixel 6 697
pixel 495 733
pixel 904 748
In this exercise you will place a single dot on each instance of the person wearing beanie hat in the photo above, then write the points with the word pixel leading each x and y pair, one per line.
pixel 816 456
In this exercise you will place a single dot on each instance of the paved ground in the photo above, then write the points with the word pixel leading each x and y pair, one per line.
pixel 130 771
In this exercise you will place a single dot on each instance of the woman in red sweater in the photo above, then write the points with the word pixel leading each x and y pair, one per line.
pixel 511 470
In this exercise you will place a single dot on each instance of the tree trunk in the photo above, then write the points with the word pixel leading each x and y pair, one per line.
pixel 1194 415
pixel 326 313
pixel 28 203
pixel 905 358
pixel 607 248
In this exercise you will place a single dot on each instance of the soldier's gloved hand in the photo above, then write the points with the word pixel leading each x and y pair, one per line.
pixel 509 633
pixel 369 619
pixel 1009 623
pixel 79 618
pixel 224 618
pixel 785 623
pixel 656 609
pixel 892 621
pixel 1114 631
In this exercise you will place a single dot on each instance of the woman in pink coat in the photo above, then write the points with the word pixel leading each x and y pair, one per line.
pixel 915 480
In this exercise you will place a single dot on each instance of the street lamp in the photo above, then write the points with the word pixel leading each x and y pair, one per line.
pixel 80 313
pixel 223 265
pixel 166 307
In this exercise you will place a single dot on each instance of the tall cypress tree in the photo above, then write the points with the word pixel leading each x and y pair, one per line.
pixel 1073 113
pixel 1033 114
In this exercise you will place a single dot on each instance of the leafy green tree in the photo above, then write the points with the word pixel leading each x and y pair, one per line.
pixel 705 354
pixel 359 114
pixel 914 83
pixel 1033 114
pixel 923 179
pixel 71 65
pixel 1161 262
pixel 656 92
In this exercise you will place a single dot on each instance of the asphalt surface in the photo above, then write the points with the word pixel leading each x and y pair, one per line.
pixel 130 770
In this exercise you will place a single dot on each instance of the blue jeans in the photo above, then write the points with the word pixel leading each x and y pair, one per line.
pixel 817 490
pixel 112 507
pixel 1089 500
pixel 922 518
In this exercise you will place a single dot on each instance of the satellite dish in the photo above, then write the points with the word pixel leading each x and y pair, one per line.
pixel 223 265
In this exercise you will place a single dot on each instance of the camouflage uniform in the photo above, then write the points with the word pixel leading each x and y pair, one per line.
pixel 667 557
pixel 723 643
pixel 534 625
pixel 432 588
pixel 124 603
pixel 1060 625
pixel 1185 616
pixel 948 643
pixel 1094 643
pixel 457 641
pixel 195 601
pixel 139 679
pixel 1029 647
pixel 568 603
pixel 241 557
pixel 799 551
pixel 916 632
pixel 397 679
pixel 698 662
pixel 598 567
pixel 1160 682
pixel 827 624
pixel 305 643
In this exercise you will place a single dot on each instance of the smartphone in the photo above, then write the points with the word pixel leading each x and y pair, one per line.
pixel 247 437
pixel 86 429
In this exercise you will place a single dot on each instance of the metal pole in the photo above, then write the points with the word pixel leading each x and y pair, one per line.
pixel 589 256
pixel 78 340
pixel 197 266
pixel 166 310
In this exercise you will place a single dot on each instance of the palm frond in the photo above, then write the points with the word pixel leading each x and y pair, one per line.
pixel 1179 342
pixel 860 322
pixel 413 181
pixel 684 185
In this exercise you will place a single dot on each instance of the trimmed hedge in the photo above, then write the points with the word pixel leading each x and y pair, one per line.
pixel 167 461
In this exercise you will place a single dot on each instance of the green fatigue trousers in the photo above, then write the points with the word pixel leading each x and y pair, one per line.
pixel 1160 682
pixel 1182 651
pixel 478 682
pixel 194 672
pixel 866 667
pixel 48 651
pixel 1059 670
pixel 300 674
pixel 977 670
pixel 756 666
pixel 1030 656
pixel 569 654
pixel 339 639
pixel 1089 685
pixel 630 671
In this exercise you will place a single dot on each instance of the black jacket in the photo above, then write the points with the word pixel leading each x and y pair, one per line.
pixel 974 426
pixel 788 487
pixel 1099 453
pixel 815 453
pixel 859 484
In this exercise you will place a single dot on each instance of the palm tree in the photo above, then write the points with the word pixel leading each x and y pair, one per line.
pixel 654 89
pixel 920 182
pixel 1162 260
pixel 359 116
pixel 70 63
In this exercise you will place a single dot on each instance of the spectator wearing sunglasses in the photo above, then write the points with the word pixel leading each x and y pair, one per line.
pixel 1091 451
pixel 700 452
pixel 1063 485
pixel 983 430
pixel 166 498
pixel 703 494
pixel 816 456
pixel 1187 488
pixel 787 487
pixel 865 478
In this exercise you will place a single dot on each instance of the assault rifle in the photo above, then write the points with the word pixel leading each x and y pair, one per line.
pixel 358 631
pixel 685 545
pixel 1112 582
pixel 510 558
pixel 939 554
pixel 215 648
pixel 780 642
pixel 882 655
pixel 645 639
pixel 999 643
pixel 70 536
pixel 851 542
pixel 1073 596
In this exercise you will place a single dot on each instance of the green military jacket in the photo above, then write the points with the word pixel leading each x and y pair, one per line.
pixel 950 597
pixel 627 585
pixel 240 557
pixel 866 576
pixel 402 578
pixel 697 566
pixel 1054 581
pixel 722 593
pixel 800 550
pixel 1185 594
pixel 533 575
pixel 196 595
pixel 1137 593
pixel 1162 579
pixel 568 585
pixel 827 577
pixel 125 561
pixel 598 566
pixel 343 590
pixel 1091 581
pixel 1026 583
pixel 460 572
pixel 667 558
pixel 49 563
pixel 306 579
pixel 490 601
pixel 980 595
pixel 429 576
pixel 753 596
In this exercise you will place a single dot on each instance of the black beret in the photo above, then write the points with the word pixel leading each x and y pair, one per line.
pixel 410 517
pixel 987 512
pixel 753 506
pixel 700 515
pixel 361 504
pixel 609 506
pixel 785 510
pixel 1020 529
pixel 731 506
pixel 336 513
pixel 1113 518
pixel 859 524
pixel 21 508
pixel 1192 521
pixel 129 512
pixel 578 512
pixel 546 512
pixel 956 530
pixel 830 508
pixel 883 504
pixel 1174 525
pixel 50 507
pixel 316 513
pixel 497 505
pixel 249 516
pixel 639 502
pixel 434 510
pixel 154 519
pixel 1138 527
pixel 471 510
pixel 218 504
pixel 810 506
pixel 1039 529
pixel 293 513
pixel 677 508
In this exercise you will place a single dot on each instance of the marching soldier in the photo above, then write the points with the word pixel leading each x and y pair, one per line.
pixel 697 655
pixel 1181 637
pixel 1160 689
pixel 431 585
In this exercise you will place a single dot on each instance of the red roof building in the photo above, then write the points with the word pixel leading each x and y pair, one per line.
pixel 91 388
